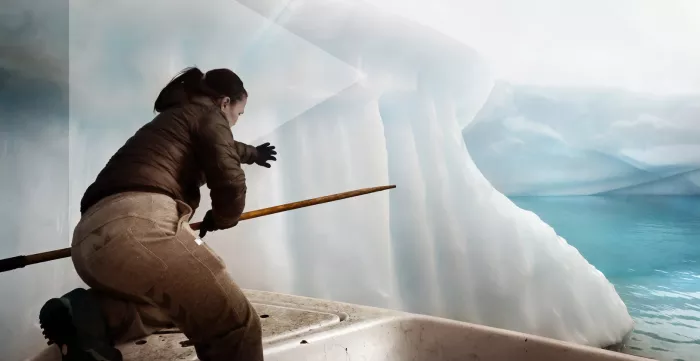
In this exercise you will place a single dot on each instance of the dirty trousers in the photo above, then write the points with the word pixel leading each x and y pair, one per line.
pixel 143 262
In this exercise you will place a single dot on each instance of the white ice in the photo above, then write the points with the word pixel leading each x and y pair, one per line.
pixel 352 97
pixel 569 141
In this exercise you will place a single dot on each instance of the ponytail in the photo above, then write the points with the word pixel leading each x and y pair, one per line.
pixel 190 81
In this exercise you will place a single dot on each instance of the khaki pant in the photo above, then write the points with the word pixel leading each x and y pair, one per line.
pixel 141 258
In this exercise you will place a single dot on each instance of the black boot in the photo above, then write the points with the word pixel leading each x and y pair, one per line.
pixel 76 325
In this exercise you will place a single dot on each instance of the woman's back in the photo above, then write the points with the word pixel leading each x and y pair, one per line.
pixel 159 158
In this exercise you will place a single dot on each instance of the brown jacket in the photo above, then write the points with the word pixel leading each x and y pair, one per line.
pixel 176 153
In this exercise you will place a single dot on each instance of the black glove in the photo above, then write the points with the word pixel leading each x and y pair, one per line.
pixel 266 153
pixel 207 225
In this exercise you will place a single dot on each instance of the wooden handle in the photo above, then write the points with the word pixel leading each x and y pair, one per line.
pixel 11 263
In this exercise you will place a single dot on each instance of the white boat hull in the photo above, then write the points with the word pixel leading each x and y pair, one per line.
pixel 299 328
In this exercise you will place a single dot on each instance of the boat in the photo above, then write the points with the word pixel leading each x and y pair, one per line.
pixel 299 328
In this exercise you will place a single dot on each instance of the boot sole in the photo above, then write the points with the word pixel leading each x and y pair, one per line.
pixel 57 324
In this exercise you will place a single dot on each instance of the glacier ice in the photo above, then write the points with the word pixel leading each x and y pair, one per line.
pixel 567 141
pixel 352 97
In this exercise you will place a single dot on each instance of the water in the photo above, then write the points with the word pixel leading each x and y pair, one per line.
pixel 649 248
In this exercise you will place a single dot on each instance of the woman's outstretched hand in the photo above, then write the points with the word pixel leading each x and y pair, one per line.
pixel 266 153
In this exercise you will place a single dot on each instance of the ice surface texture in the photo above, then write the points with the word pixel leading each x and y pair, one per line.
pixel 587 141
pixel 352 98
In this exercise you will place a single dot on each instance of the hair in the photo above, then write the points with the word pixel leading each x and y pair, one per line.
pixel 216 83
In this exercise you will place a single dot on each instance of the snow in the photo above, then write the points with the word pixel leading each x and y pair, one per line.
pixel 352 96
pixel 568 141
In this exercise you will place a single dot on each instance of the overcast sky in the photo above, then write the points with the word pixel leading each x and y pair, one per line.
pixel 642 45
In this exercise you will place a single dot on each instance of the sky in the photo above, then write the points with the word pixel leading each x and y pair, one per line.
pixel 647 46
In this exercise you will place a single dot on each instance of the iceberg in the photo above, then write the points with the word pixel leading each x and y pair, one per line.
pixel 352 97
pixel 586 141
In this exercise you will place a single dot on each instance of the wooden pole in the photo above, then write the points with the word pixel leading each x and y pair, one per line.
pixel 12 263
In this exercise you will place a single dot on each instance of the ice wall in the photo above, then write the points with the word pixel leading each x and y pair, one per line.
pixel 352 97
pixel 34 154
pixel 587 141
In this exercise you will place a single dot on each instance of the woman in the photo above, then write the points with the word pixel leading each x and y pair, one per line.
pixel 133 245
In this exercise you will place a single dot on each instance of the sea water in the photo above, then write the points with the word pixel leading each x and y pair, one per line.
pixel 649 248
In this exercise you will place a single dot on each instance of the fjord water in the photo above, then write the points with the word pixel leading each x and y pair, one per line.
pixel 649 248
